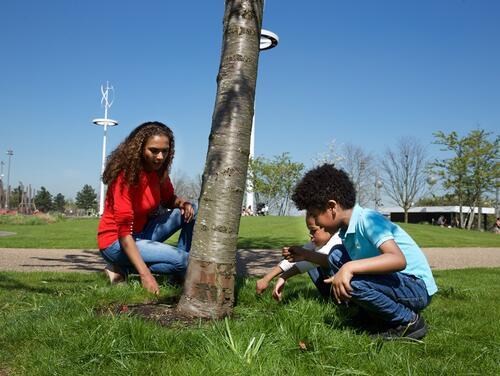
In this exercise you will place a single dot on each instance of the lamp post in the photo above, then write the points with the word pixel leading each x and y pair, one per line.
pixel 1 184
pixel 268 40
pixel 378 185
pixel 10 153
pixel 105 122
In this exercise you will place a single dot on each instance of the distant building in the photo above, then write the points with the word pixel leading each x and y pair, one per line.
pixel 431 214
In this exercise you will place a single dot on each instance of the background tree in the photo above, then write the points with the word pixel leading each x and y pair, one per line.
pixel 273 181
pixel 59 203
pixel 15 196
pixel 360 167
pixel 453 170
pixel 43 200
pixel 70 207
pixel 404 172
pixel 209 286
pixel 470 171
pixel 358 164
pixel 483 170
pixel 187 187
pixel 86 198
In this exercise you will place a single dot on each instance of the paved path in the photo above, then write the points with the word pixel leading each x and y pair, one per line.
pixel 253 262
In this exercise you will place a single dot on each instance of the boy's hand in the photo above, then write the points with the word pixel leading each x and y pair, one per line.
pixel 278 289
pixel 293 254
pixel 261 286
pixel 341 284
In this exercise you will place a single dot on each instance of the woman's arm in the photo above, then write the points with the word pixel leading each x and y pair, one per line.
pixel 129 246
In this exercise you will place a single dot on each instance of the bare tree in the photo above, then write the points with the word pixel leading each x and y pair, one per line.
pixel 360 167
pixel 186 186
pixel 357 163
pixel 209 286
pixel 404 172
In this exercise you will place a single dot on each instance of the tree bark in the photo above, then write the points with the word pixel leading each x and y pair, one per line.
pixel 209 286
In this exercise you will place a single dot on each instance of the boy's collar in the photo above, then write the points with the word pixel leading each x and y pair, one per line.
pixel 356 212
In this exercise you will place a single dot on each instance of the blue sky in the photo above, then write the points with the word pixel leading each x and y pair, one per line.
pixel 360 72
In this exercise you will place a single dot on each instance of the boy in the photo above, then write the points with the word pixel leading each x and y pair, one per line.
pixel 382 270
pixel 322 242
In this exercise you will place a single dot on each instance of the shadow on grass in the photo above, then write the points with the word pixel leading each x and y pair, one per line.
pixel 10 283
pixel 267 242
pixel 87 260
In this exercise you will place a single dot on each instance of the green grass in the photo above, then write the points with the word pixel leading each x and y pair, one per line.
pixel 50 325
pixel 255 232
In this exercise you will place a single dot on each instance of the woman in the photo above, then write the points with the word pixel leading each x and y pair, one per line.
pixel 136 222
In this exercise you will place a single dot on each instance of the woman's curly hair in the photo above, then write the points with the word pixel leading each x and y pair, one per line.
pixel 127 156
pixel 322 184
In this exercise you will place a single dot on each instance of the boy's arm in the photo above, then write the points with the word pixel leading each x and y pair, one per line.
pixel 278 289
pixel 391 260
pixel 296 253
pixel 263 283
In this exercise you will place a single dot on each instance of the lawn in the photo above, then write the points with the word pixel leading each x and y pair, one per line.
pixel 255 232
pixel 53 324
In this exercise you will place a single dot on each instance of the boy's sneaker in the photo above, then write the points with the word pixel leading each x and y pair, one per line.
pixel 416 329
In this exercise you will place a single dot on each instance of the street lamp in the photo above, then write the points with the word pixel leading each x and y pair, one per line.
pixel 268 40
pixel 105 122
pixel 1 184
pixel 10 153
pixel 378 185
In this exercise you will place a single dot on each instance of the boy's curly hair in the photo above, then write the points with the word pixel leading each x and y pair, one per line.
pixel 127 156
pixel 322 184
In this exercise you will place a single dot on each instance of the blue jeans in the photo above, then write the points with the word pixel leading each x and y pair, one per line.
pixel 161 258
pixel 319 274
pixel 395 298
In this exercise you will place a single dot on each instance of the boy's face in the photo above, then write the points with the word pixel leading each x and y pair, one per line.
pixel 327 218
pixel 318 236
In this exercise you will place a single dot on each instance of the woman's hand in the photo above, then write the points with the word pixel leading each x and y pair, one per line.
pixel 150 284
pixel 341 284
pixel 187 211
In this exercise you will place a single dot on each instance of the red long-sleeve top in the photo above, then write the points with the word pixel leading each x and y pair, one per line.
pixel 127 207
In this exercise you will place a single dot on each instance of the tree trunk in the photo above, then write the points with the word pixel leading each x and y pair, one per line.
pixel 209 286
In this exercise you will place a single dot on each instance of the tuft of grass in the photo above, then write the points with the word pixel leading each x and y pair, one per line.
pixel 53 323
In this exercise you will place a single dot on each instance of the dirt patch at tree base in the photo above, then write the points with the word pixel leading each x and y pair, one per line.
pixel 163 313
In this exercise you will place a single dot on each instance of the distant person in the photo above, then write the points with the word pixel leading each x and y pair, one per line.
pixel 321 241
pixel 142 210
pixel 249 210
pixel 441 221
pixel 265 209
pixel 381 270
pixel 496 226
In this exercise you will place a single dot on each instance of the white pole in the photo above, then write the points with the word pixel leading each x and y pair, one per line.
pixel 104 122
pixel 250 194
pixel 268 40
pixel 101 196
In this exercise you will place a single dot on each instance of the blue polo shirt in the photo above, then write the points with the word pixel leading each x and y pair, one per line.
pixel 368 229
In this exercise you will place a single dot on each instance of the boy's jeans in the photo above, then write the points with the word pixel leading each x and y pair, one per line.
pixel 161 258
pixel 394 297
